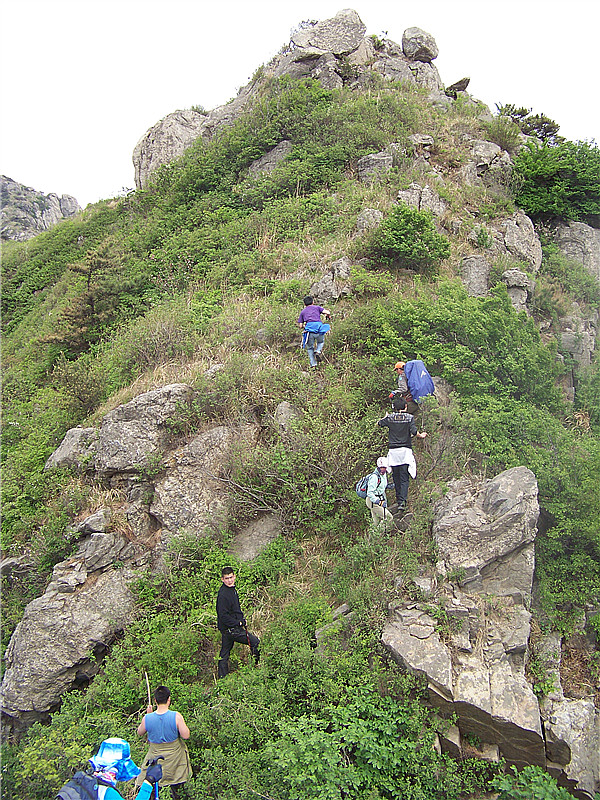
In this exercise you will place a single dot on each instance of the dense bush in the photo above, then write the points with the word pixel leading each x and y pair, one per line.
pixel 559 181
pixel 408 238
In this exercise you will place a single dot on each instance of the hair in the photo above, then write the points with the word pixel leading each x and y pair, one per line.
pixel 226 571
pixel 161 694
pixel 398 404
pixel 308 300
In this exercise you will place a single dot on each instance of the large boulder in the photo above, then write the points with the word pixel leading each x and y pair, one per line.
pixel 192 497
pixel 572 730
pixel 64 633
pixel 335 283
pixel 417 45
pixel 133 436
pixel 271 160
pixel 423 198
pixel 340 35
pixel 165 141
pixel 255 537
pixel 76 449
pixel 520 288
pixel 578 332
pixel 487 532
pixel 484 531
pixel 475 273
pixel 521 240
pixel 488 164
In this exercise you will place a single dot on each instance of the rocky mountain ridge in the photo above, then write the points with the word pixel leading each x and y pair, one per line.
pixel 464 624
pixel 27 212
pixel 335 52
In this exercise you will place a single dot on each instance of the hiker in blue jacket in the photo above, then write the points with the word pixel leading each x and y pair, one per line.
pixel 376 499
pixel 401 428
pixel 313 337
pixel 414 383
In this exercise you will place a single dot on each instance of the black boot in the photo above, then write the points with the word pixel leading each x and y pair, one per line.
pixel 223 668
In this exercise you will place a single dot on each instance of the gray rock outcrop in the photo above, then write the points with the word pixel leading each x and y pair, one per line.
pixel 64 633
pixel 271 160
pixel 372 167
pixel 488 165
pixel 475 273
pixel 340 35
pixel 191 497
pixel 368 220
pixel 423 198
pixel 417 45
pixel 75 450
pixel 475 664
pixel 335 283
pixel 578 333
pixel 521 240
pixel 168 490
pixel 487 532
pixel 514 239
pixel 581 243
pixel 520 288
pixel 133 436
pixel 252 540
pixel 166 141
pixel 27 212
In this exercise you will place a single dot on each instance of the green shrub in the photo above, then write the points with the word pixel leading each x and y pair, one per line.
pixel 408 238
pixel 504 132
pixel 532 783
pixel 560 181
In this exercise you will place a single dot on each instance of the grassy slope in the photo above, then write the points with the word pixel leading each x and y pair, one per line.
pixel 159 286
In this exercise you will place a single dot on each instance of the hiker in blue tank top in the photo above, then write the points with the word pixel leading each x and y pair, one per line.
pixel 166 731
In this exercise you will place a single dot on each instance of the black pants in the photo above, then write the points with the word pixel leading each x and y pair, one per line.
pixel 228 638
pixel 401 479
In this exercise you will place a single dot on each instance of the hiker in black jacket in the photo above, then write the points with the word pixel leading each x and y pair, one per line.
pixel 401 428
pixel 231 622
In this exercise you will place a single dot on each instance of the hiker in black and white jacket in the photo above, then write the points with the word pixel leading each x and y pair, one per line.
pixel 401 429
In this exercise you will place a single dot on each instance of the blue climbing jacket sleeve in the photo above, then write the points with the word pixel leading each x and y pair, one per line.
pixel 145 791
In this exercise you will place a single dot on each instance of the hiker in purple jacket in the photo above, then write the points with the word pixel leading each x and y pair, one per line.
pixel 313 337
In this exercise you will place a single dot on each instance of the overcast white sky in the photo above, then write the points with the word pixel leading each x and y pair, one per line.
pixel 82 80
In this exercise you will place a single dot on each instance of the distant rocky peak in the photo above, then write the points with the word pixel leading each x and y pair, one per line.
pixel 27 212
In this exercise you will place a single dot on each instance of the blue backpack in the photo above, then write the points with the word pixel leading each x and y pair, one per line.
pixel 418 379
pixel 361 486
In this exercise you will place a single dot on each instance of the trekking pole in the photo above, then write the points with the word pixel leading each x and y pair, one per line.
pixel 148 687
pixel 248 639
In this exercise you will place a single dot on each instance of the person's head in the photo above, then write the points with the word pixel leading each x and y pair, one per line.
pixel 228 576
pixel 399 367
pixel 398 403
pixel 308 300
pixel 382 465
pixel 162 695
